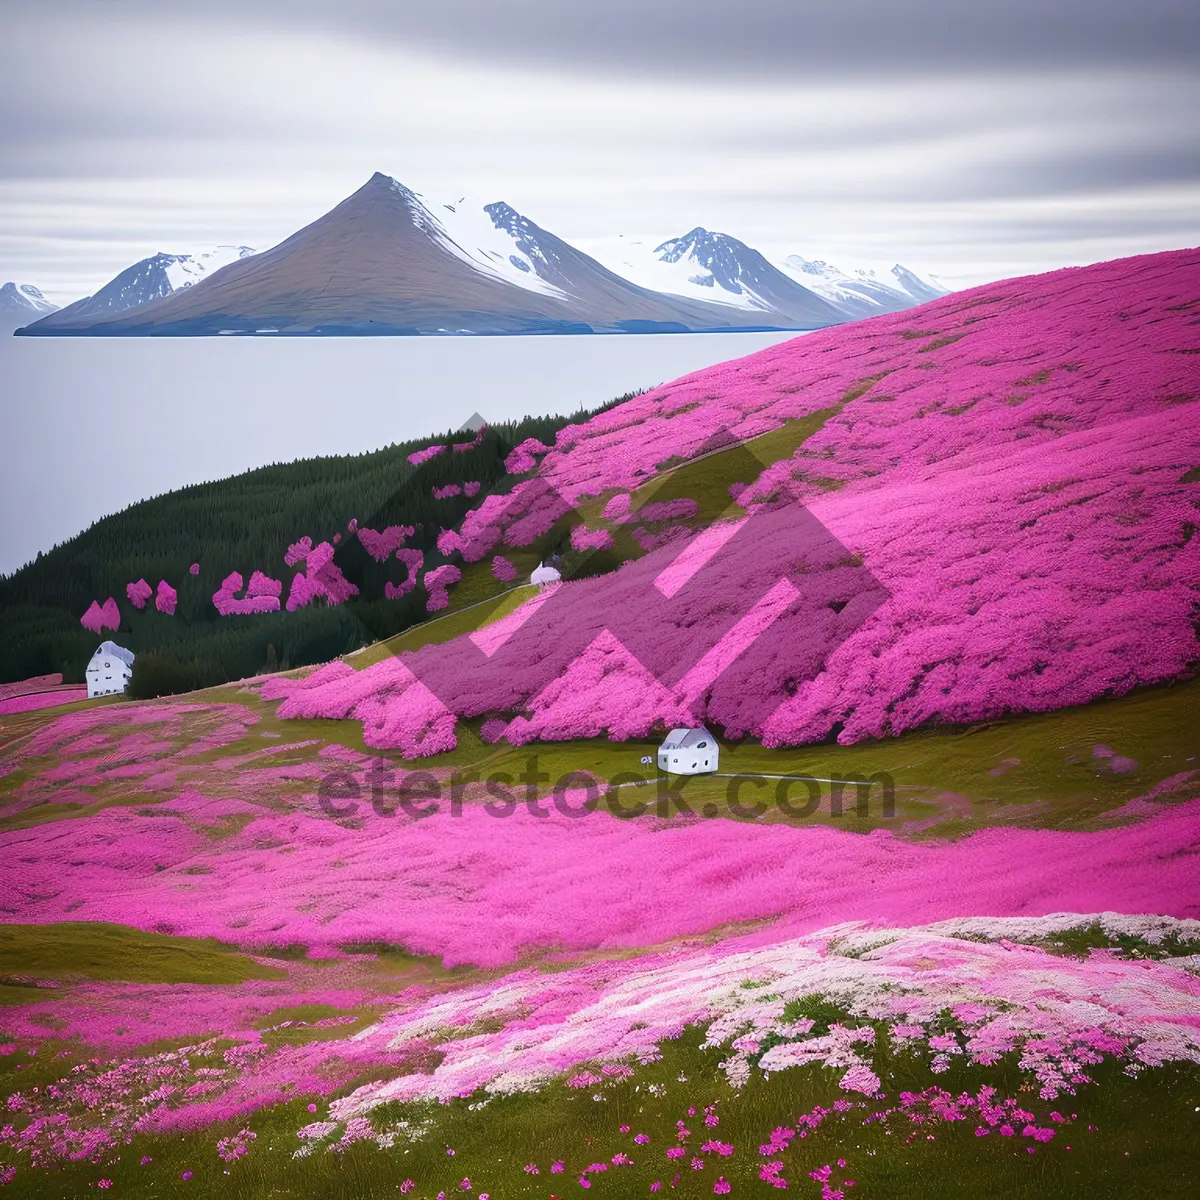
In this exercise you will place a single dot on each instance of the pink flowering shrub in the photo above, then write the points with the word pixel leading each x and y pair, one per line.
pixel 477 440
pixel 165 598
pixel 584 539
pixel 521 458
pixel 138 593
pixel 297 552
pixel 32 701
pixel 194 569
pixel 471 487
pixel 515 518
pixel 381 546
pixel 101 617
pixel 619 509
pixel 445 492
pixel 436 582
pixel 860 1078
pixel 262 595
pixel 322 577
pixel 502 569
pixel 422 456
pixel 35 683
pixel 412 559
pixel 449 541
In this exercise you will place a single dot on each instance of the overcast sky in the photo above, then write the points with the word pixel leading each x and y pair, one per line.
pixel 971 139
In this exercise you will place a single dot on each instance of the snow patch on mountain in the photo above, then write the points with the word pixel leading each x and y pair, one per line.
pixel 20 304
pixel 23 299
pixel 467 229
pixel 885 290
pixel 671 266
pixel 183 270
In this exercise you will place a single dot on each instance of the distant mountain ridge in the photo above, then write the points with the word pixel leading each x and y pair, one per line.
pixel 21 303
pixel 861 291
pixel 703 263
pixel 386 261
pixel 147 280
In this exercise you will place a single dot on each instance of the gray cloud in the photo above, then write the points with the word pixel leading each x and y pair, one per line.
pixel 905 129
pixel 715 41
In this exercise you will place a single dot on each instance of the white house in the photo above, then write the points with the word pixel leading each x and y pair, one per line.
pixel 543 575
pixel 688 752
pixel 109 670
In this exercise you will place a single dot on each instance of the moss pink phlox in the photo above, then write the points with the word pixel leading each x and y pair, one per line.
pixel 380 546
pixel 36 700
pixel 584 539
pixel 477 440
pixel 610 1007
pixel 503 569
pixel 166 598
pixel 412 559
pixel 100 617
pixel 1077 323
pixel 138 593
pixel 297 552
pixel 436 582
pixel 321 578
pixel 262 595
pixel 995 489
pixel 422 456
pixel 522 458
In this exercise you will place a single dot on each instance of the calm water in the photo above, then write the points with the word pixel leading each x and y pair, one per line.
pixel 88 426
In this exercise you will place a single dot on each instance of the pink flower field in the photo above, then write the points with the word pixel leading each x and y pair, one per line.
pixel 431 922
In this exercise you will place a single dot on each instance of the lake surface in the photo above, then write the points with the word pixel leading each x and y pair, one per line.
pixel 91 425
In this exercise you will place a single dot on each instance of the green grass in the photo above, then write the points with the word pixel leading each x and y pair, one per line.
pixel 97 950
pixel 1140 1144
pixel 462 619
pixel 1078 943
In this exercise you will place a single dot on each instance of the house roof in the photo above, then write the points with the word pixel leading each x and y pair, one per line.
pixel 111 648
pixel 544 574
pixel 678 738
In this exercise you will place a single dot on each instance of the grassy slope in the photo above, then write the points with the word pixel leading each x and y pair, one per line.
pixel 1128 1140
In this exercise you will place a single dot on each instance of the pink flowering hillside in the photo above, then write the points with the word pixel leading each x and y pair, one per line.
pixel 930 928
pixel 993 513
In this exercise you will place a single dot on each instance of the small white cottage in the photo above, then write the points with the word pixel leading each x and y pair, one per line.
pixel 543 575
pixel 688 752
pixel 109 670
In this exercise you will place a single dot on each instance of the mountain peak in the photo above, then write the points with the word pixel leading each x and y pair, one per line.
pixel 385 186
pixel 22 301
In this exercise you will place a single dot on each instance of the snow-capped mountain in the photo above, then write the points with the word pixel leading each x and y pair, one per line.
pixel 387 261
pixel 719 268
pixel 862 291
pixel 149 279
pixel 21 303
pixel 920 289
